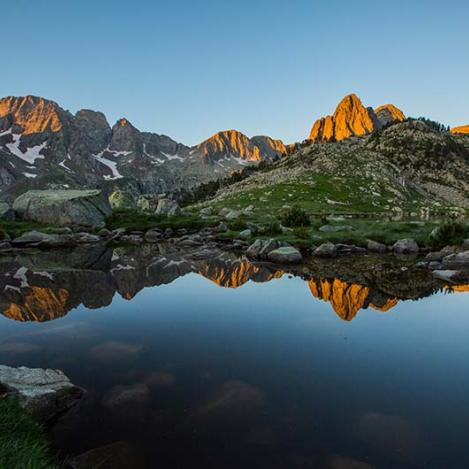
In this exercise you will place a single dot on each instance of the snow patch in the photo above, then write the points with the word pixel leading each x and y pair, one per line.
pixel 31 154
pixel 21 275
pixel 112 165
pixel 173 157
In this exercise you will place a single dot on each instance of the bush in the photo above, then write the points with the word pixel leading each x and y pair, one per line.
pixel 449 233
pixel 272 228
pixel 237 225
pixel 301 232
pixel 296 216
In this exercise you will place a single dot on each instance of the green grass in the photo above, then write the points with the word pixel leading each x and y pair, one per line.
pixel 18 227
pixel 131 219
pixel 23 444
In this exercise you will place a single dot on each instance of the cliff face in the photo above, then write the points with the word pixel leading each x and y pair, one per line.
pixel 352 118
pixel 461 130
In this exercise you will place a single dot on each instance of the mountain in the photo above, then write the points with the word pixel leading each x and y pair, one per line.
pixel 44 146
pixel 461 130
pixel 351 118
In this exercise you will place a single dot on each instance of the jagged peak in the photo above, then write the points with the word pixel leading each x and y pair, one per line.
pixel 123 122
pixel 461 130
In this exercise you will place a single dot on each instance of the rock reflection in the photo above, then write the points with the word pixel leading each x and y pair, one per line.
pixel 38 287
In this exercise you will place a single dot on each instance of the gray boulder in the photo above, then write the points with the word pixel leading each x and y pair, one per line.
pixel 168 207
pixel 6 212
pixel 406 246
pixel 374 246
pixel 452 276
pixel 153 236
pixel 233 214
pixel 121 199
pixel 206 212
pixel 285 255
pixel 326 250
pixel 261 248
pixel 245 234
pixel 335 228
pixel 45 393
pixel 39 239
pixel 456 261
pixel 64 207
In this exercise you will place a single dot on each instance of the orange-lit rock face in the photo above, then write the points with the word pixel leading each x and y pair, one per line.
pixel 351 118
pixel 230 142
pixel 346 299
pixel 32 114
pixel 40 304
pixel 462 130
pixel 238 274
pixel 458 288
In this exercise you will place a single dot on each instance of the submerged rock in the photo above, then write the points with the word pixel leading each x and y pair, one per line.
pixel 45 393
pixel 64 207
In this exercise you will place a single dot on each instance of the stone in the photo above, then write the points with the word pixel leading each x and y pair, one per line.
pixel 349 248
pixel 168 207
pixel 87 238
pixel 245 234
pixel 434 256
pixel 224 211
pixel 39 239
pixel 233 214
pixel 153 236
pixel 451 276
pixel 326 250
pixel 206 212
pixel 104 233
pixel 261 248
pixel 374 246
pixel 6 212
pixel 285 255
pixel 43 392
pixel 122 200
pixel 456 261
pixel 64 207
pixel 406 246
pixel 220 228
pixel 148 203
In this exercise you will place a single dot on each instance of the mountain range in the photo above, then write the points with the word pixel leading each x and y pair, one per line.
pixel 44 146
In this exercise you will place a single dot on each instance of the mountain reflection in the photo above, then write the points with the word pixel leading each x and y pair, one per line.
pixel 45 286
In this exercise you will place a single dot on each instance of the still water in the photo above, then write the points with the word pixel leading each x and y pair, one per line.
pixel 206 360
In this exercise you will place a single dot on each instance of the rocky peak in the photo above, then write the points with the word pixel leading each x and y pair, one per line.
pixel 352 118
pixel 268 146
pixel 229 143
pixel 32 115
pixel 461 130
pixel 91 132
pixel 125 137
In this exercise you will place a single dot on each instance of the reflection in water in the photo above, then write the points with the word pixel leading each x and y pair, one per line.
pixel 46 286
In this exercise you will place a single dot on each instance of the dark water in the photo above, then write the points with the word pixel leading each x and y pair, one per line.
pixel 185 370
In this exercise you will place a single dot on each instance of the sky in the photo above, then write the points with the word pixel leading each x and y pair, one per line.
pixel 189 68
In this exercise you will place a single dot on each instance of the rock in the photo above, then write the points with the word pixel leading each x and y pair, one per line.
pixel 121 199
pixel 285 255
pixel 45 393
pixel 153 236
pixel 148 203
pixel 104 233
pixel 326 250
pixel 168 207
pixel 224 211
pixel 452 276
pixel 64 207
pixel 118 233
pixel 86 238
pixel 6 212
pixel 245 234
pixel 335 228
pixel 456 261
pixel 5 245
pixel 286 230
pixel 117 455
pixel 434 256
pixel 220 228
pixel 206 212
pixel 39 239
pixel 466 243
pixel 374 246
pixel 349 248
pixel 261 248
pixel 233 214
pixel 406 246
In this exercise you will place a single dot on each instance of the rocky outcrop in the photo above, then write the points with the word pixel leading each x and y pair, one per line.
pixel 45 393
pixel 351 118
pixel 461 130
pixel 64 207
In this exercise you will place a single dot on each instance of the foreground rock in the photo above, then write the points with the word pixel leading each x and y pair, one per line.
pixel 456 261
pixel 326 250
pixel 62 207
pixel 406 246
pixel 285 255
pixel 44 393
pixel 261 248
pixel 452 276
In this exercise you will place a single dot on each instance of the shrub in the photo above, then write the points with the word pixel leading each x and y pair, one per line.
pixel 272 228
pixel 449 233
pixel 301 232
pixel 296 216
pixel 237 225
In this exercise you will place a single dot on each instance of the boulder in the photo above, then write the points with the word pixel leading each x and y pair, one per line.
pixel 457 261
pixel 44 393
pixel 206 212
pixel 326 250
pixel 245 234
pixel 285 255
pixel 148 203
pixel 45 240
pixel 406 246
pixel 452 276
pixel 6 212
pixel 233 214
pixel 64 207
pixel 121 199
pixel 86 238
pixel 374 246
pixel 261 248
pixel 168 207
pixel 153 236
pixel 335 228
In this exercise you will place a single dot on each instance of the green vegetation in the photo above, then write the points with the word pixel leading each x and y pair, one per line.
pixel 23 444
pixel 295 216
pixel 137 220
pixel 450 233
pixel 18 227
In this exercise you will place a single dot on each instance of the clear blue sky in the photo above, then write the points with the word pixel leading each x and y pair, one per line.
pixel 188 68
